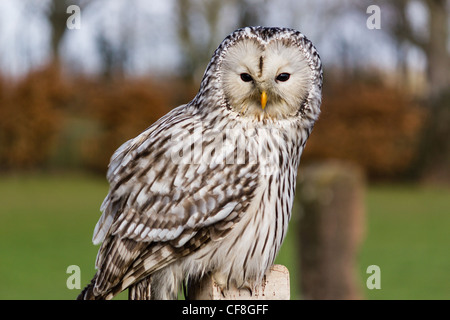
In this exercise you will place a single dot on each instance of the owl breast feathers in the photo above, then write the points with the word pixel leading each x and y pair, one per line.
pixel 209 187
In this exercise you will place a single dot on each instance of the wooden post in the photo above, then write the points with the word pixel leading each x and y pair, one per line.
pixel 331 227
pixel 275 286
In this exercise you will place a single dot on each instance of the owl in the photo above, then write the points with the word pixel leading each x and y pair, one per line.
pixel 209 187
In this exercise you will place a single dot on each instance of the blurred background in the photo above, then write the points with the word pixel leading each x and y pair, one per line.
pixel 374 183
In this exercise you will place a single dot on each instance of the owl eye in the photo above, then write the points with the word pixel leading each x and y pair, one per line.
pixel 246 77
pixel 283 77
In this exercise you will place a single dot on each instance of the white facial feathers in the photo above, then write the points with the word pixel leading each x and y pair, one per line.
pixel 262 62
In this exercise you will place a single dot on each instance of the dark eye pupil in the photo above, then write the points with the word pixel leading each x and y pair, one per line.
pixel 246 77
pixel 283 77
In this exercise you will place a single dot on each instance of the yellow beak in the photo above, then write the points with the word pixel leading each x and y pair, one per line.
pixel 263 99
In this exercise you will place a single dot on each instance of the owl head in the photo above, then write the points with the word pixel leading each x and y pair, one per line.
pixel 266 73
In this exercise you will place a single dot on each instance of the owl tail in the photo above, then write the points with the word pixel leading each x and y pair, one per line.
pixel 139 291
pixel 88 292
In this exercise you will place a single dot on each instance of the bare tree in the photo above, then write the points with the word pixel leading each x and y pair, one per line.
pixel 433 44
pixel 199 39
pixel 196 50
pixel 57 16
pixel 434 152
pixel 250 12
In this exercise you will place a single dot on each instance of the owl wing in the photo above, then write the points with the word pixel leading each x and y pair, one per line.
pixel 163 188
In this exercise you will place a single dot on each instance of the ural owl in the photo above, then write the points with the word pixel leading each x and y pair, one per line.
pixel 209 187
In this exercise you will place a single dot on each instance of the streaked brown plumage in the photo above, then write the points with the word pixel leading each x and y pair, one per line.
pixel 209 187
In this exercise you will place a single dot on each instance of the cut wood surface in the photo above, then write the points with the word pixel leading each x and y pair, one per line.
pixel 275 286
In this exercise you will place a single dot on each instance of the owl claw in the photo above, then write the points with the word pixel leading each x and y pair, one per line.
pixel 222 291
pixel 221 283
pixel 248 287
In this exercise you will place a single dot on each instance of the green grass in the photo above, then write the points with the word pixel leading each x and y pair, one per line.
pixel 46 224
pixel 408 237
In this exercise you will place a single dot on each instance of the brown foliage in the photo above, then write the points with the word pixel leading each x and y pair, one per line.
pixel 122 109
pixel 46 115
pixel 44 118
pixel 369 124
pixel 30 117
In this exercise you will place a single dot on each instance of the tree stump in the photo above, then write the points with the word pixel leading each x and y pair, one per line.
pixel 331 227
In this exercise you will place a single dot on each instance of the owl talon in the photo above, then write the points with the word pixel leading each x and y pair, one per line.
pixel 222 289
pixel 221 283
pixel 248 287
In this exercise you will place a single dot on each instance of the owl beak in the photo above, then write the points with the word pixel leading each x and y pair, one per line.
pixel 263 99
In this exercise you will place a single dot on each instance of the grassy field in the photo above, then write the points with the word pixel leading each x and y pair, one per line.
pixel 408 237
pixel 46 224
